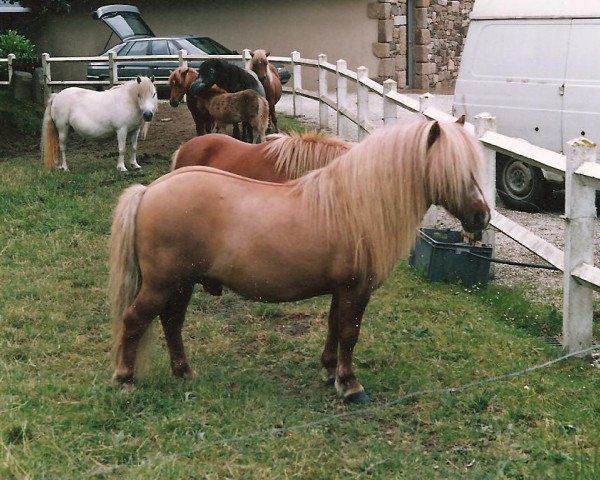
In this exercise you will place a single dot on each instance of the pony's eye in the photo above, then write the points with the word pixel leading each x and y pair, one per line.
pixel 154 95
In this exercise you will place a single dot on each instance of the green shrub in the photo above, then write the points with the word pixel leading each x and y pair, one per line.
pixel 13 42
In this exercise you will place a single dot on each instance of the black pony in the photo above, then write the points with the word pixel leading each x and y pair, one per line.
pixel 230 78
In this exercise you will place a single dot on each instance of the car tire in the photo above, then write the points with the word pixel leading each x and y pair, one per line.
pixel 520 185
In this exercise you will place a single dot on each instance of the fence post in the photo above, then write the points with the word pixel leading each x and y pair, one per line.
pixel 182 61
pixel 11 57
pixel 47 75
pixel 296 83
pixel 247 57
pixel 112 69
pixel 432 216
pixel 341 92
pixel 390 114
pixel 580 212
pixel 485 122
pixel 362 101
pixel 323 108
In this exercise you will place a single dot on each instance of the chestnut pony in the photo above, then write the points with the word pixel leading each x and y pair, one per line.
pixel 180 80
pixel 338 230
pixel 280 158
pixel 268 76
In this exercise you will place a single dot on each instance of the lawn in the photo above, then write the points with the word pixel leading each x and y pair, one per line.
pixel 258 408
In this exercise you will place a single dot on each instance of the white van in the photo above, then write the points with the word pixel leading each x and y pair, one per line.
pixel 535 65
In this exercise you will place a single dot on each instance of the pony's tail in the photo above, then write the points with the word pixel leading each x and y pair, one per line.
pixel 124 272
pixel 49 143
pixel 174 160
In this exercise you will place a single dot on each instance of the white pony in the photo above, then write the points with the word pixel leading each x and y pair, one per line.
pixel 92 114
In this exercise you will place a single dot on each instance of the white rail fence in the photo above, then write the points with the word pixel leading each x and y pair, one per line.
pixel 9 62
pixel 578 165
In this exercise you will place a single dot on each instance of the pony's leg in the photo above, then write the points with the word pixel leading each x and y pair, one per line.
pixel 139 315
pixel 236 131
pixel 172 320
pixel 273 118
pixel 351 306
pixel 329 356
pixel 121 139
pixel 63 133
pixel 133 139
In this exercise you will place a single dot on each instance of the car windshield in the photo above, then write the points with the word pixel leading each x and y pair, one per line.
pixel 209 46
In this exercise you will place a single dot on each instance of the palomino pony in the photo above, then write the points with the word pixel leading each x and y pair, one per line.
pixel 338 230
pixel 180 80
pixel 247 107
pixel 92 114
pixel 281 158
pixel 268 76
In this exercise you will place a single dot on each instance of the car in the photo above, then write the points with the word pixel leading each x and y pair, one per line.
pixel 137 39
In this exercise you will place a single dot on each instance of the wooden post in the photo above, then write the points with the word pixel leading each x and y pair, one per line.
pixel 425 101
pixel 362 101
pixel 323 108
pixel 580 212
pixel 247 57
pixel 112 69
pixel 341 93
pixel 47 75
pixel 182 61
pixel 11 58
pixel 390 114
pixel 296 83
pixel 485 122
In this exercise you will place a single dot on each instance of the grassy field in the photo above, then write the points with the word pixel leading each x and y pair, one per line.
pixel 258 408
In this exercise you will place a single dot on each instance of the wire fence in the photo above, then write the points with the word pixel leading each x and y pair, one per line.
pixel 280 431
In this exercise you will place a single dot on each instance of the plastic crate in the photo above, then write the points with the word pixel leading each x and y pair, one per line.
pixel 441 255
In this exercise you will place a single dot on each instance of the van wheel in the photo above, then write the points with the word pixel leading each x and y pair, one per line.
pixel 521 186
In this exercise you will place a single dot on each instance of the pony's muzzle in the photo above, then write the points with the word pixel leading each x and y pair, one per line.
pixel 475 222
pixel 174 103
pixel 148 116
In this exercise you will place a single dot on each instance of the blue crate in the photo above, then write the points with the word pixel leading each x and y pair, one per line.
pixel 442 255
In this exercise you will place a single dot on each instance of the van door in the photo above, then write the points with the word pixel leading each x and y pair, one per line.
pixel 581 114
pixel 515 70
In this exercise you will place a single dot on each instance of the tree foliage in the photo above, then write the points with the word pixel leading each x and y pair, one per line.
pixel 43 7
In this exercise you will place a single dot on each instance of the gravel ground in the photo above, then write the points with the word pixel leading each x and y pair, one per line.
pixel 542 286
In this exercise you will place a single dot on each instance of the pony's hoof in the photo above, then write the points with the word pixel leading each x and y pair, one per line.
pixel 127 388
pixel 329 381
pixel 358 398
pixel 135 166
pixel 121 168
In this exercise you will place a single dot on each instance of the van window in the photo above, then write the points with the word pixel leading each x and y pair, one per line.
pixel 531 50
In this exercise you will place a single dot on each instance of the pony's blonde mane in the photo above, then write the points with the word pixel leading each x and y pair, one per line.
pixel 374 197
pixel 296 154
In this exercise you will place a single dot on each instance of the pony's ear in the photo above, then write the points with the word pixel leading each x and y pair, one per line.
pixel 434 134
pixel 185 72
pixel 268 53
pixel 461 119
pixel 152 78
pixel 251 53
pixel 139 79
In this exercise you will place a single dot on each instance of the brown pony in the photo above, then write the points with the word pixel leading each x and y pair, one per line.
pixel 180 80
pixel 269 77
pixel 338 230
pixel 281 158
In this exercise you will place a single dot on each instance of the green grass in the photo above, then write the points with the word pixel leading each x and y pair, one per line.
pixel 258 379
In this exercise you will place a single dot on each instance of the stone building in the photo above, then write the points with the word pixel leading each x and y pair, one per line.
pixel 419 42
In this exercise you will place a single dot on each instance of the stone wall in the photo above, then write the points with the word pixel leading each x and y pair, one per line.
pixel 439 28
